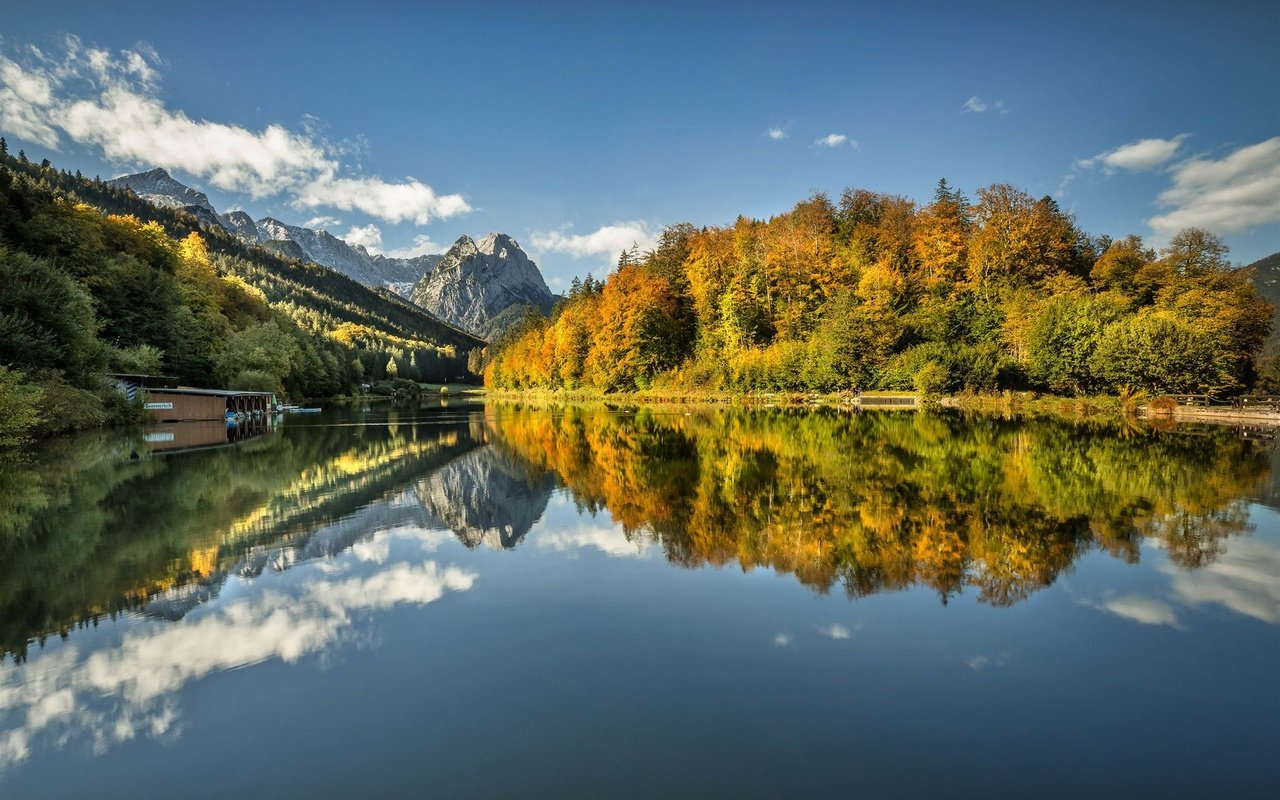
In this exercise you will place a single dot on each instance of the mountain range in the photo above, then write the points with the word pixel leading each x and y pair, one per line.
pixel 470 286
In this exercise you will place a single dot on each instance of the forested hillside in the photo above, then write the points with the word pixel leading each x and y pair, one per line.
pixel 874 292
pixel 1266 276
pixel 94 280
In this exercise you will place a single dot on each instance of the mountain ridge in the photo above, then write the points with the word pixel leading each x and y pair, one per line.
pixel 480 282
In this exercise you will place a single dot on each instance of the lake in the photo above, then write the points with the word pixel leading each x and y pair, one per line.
pixel 513 601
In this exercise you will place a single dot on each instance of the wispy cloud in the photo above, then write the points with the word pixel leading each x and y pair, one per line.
pixel 420 246
pixel 606 240
pixel 111 101
pixel 834 140
pixel 776 134
pixel 1143 154
pixel 370 238
pixel 1137 156
pixel 322 222
pixel 976 105
pixel 782 640
pixel 980 662
pixel 1228 195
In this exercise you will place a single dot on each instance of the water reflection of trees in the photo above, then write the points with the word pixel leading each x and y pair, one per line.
pixel 881 502
pixel 869 503
pixel 86 531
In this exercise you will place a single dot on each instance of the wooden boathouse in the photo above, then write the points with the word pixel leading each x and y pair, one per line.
pixel 184 403
pixel 166 401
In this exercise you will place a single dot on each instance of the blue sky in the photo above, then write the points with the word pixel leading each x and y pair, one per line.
pixel 577 126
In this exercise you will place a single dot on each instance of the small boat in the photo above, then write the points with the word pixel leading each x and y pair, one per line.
pixel 296 410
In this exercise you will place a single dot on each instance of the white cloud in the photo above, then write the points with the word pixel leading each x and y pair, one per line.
pixel 1228 195
pixel 837 140
pixel 607 240
pixel 322 222
pixel 392 202
pixel 835 631
pixel 367 235
pixel 22 95
pixel 420 246
pixel 1143 154
pixel 776 134
pixel 782 640
pixel 370 238
pixel 111 102
pixel 976 105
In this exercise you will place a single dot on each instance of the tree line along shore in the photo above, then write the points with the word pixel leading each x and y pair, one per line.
pixel 872 292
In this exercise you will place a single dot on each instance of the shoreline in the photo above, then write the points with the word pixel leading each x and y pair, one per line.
pixel 1020 404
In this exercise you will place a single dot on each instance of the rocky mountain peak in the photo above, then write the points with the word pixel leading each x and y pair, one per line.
pixel 159 188
pixel 464 246
pixel 498 244
pixel 475 282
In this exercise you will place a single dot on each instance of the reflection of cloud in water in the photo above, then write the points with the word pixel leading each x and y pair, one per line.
pixel 1245 579
pixel 611 541
pixel 980 662
pixel 375 551
pixel 115 694
pixel 1145 610
pixel 834 631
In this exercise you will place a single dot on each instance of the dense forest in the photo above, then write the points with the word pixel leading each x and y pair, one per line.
pixel 874 292
pixel 94 280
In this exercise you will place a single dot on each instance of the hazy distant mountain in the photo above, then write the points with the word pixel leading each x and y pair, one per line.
pixel 476 281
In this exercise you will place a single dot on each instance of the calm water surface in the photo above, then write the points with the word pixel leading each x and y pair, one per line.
pixel 502 601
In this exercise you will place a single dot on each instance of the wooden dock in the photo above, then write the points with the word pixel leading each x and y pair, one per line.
pixel 887 400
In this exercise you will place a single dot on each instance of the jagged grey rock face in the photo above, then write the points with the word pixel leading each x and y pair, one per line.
pixel 243 226
pixel 475 281
pixel 486 497
pixel 354 261
pixel 159 189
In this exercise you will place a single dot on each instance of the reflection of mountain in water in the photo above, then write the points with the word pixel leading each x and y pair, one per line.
pixel 484 497
pixel 487 497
